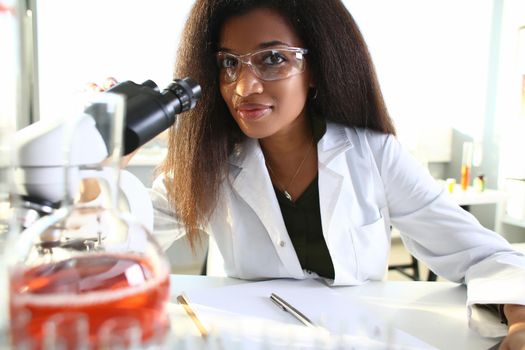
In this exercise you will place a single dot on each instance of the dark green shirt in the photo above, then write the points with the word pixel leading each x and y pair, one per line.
pixel 303 221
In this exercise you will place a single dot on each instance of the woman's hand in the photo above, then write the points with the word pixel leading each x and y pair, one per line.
pixel 107 84
pixel 515 339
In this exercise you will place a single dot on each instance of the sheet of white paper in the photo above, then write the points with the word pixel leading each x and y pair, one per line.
pixel 249 308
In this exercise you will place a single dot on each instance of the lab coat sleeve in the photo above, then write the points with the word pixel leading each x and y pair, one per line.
pixel 151 208
pixel 448 239
pixel 136 199
pixel 166 227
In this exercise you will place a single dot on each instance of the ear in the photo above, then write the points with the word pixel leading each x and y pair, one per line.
pixel 312 83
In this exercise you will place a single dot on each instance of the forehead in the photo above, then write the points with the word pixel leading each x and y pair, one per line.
pixel 251 31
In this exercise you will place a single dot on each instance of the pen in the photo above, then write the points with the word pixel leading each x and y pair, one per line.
pixel 290 309
pixel 183 300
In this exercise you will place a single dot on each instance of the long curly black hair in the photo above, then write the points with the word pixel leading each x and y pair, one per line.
pixel 201 141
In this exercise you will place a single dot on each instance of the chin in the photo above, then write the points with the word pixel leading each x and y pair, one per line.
pixel 254 134
pixel 255 131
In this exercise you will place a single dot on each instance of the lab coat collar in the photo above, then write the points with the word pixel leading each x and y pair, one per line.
pixel 335 141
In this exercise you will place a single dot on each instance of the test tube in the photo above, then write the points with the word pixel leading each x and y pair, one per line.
pixel 466 165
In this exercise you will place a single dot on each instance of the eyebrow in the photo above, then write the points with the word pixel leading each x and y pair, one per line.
pixel 262 45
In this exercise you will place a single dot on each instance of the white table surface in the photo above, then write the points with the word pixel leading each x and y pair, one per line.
pixel 473 197
pixel 435 312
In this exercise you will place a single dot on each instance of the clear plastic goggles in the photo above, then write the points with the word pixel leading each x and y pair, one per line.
pixel 267 64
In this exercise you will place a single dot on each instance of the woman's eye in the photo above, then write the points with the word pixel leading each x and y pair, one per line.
pixel 274 58
pixel 228 62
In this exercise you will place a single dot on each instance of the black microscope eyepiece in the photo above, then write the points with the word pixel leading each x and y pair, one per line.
pixel 150 112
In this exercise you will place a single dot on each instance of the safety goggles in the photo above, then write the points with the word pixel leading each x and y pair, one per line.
pixel 267 64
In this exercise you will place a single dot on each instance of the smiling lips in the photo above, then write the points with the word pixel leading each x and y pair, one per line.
pixel 253 111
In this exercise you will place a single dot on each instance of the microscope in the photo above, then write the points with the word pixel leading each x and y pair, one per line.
pixel 39 165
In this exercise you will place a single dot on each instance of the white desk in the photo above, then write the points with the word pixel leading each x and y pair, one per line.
pixel 435 312
pixel 473 197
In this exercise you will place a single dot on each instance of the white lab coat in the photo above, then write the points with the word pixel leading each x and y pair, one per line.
pixel 367 182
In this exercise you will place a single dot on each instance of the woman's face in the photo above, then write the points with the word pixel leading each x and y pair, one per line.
pixel 262 108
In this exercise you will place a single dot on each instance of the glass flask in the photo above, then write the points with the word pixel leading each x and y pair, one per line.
pixel 9 88
pixel 10 65
pixel 87 270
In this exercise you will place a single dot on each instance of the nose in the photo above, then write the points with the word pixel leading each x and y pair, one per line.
pixel 247 83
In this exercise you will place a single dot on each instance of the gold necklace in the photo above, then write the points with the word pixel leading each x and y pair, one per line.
pixel 284 190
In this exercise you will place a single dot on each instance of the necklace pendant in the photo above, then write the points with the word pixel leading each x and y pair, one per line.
pixel 287 195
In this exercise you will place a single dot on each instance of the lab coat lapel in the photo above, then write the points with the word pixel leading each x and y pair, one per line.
pixel 250 179
pixel 331 178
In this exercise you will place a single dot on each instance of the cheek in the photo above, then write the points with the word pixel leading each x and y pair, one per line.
pixel 226 93
pixel 293 98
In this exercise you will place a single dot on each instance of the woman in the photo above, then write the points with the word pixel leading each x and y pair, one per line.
pixel 289 160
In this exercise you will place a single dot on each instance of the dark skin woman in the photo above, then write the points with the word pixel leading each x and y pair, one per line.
pixel 201 144
pixel 338 72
